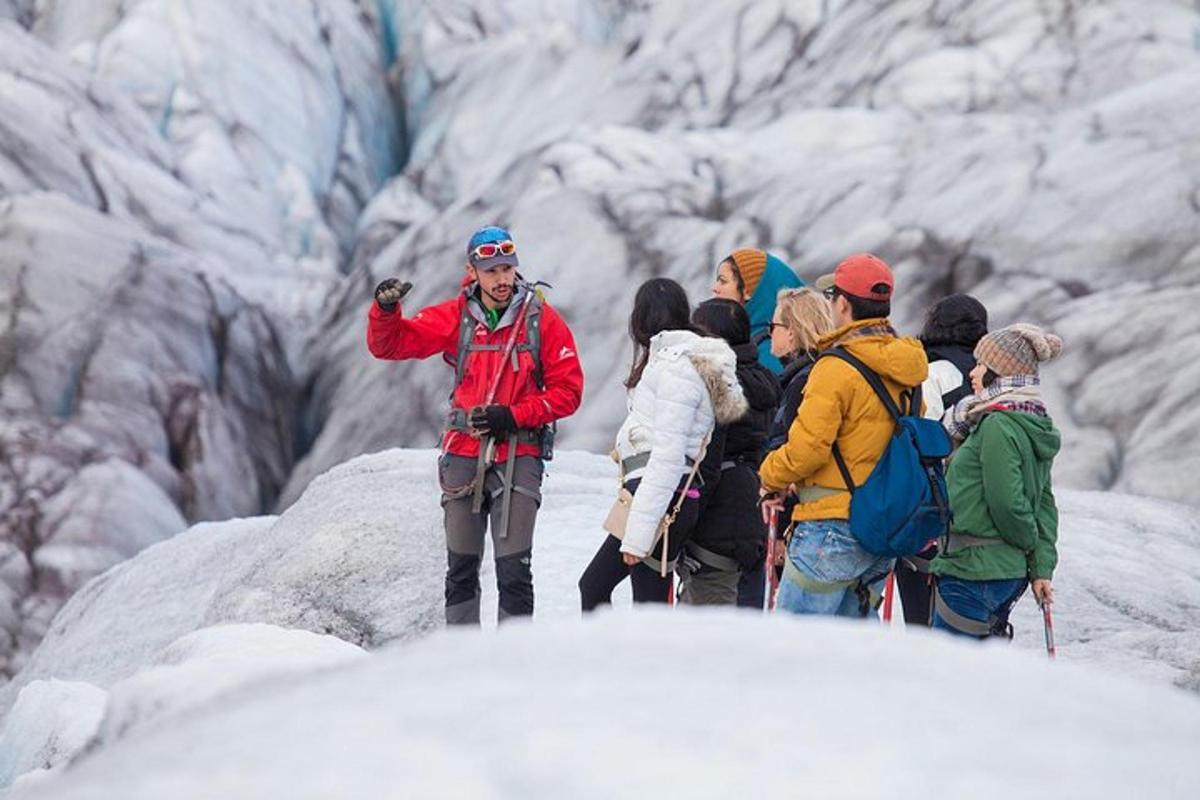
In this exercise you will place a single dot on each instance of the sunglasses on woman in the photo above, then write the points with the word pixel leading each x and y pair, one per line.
pixel 493 249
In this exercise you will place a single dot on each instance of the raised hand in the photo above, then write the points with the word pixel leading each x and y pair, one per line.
pixel 390 292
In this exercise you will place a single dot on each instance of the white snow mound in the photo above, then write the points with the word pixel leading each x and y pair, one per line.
pixel 360 556
pixel 51 721
pixel 55 721
pixel 661 702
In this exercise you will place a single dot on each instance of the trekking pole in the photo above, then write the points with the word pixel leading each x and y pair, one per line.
pixel 1048 623
pixel 662 568
pixel 772 543
pixel 889 591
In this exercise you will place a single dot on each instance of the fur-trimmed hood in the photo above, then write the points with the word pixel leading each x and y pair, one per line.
pixel 716 364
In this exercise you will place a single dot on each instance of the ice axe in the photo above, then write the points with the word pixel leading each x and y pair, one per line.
pixel 1048 624
pixel 772 543
pixel 487 446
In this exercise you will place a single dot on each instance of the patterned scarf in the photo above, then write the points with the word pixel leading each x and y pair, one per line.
pixel 1009 393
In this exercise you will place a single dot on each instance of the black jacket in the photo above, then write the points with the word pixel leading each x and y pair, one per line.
pixel 729 518
pixel 794 379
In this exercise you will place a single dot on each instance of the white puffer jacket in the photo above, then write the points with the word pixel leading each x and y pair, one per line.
pixel 689 383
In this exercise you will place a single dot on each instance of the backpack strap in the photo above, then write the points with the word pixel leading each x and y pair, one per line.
pixel 533 335
pixel 876 383
pixel 466 333
pixel 912 396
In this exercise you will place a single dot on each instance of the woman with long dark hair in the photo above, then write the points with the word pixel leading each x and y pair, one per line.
pixel 680 385
pixel 729 538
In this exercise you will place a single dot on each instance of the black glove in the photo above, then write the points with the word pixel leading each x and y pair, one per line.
pixel 390 292
pixel 494 421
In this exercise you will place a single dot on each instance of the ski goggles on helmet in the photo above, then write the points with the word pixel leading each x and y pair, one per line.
pixel 493 249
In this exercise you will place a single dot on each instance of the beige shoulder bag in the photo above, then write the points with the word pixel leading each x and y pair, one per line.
pixel 618 515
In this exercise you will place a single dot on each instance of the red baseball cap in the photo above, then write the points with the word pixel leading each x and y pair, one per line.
pixel 861 275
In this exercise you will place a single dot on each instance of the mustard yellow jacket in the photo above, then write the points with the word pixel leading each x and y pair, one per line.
pixel 840 406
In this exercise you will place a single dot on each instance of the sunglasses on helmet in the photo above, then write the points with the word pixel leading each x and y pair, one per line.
pixel 493 249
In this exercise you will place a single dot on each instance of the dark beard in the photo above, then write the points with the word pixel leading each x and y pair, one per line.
pixel 512 290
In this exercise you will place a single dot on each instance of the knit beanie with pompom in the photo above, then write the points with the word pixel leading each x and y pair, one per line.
pixel 1017 349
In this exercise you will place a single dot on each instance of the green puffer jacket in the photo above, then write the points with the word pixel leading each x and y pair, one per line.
pixel 999 486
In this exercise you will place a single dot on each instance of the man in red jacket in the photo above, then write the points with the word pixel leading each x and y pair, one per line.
pixel 516 373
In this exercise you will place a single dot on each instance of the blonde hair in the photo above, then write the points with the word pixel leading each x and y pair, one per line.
pixel 807 314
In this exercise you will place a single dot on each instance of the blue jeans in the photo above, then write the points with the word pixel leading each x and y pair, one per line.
pixel 826 569
pixel 984 601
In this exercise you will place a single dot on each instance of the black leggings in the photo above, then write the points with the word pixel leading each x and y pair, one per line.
pixel 916 591
pixel 607 568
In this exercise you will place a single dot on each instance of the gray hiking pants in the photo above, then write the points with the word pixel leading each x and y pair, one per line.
pixel 705 584
pixel 465 531
pixel 710 588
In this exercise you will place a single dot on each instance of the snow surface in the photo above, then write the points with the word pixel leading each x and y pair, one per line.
pixel 361 556
pixel 53 721
pixel 216 629
pixel 210 662
pixel 666 702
